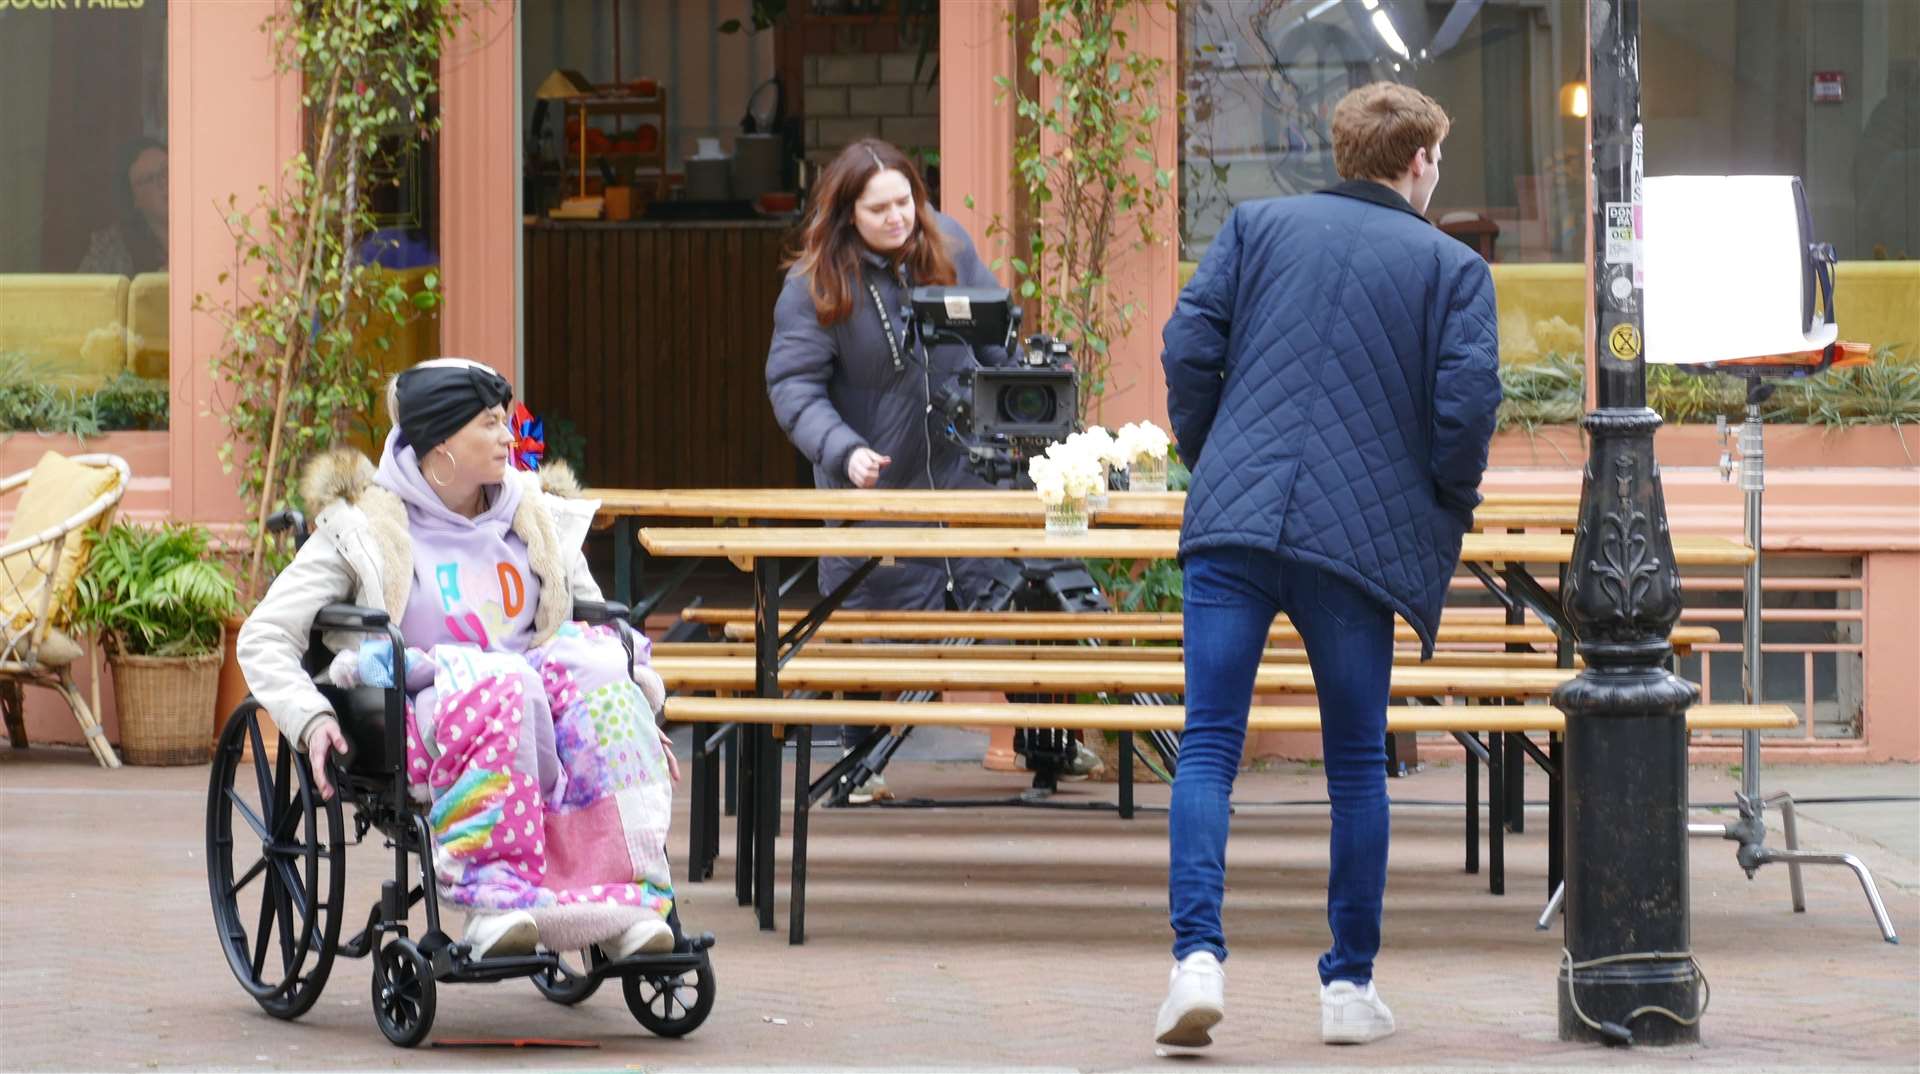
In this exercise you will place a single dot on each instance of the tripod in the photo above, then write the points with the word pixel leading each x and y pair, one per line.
pixel 1750 830
pixel 1023 585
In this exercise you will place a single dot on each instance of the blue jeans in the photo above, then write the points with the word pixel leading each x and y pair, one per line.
pixel 1232 595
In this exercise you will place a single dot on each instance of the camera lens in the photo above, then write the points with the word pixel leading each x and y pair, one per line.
pixel 1027 405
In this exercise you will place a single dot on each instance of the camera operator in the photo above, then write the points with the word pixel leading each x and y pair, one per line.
pixel 851 387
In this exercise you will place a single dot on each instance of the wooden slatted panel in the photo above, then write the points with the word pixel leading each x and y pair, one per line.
pixel 652 341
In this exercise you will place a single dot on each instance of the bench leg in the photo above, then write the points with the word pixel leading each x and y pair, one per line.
pixel 699 784
pixel 745 737
pixel 766 745
pixel 1516 786
pixel 713 811
pixel 1126 775
pixel 802 801
pixel 1556 816
pixel 766 797
pixel 1473 812
pixel 623 560
pixel 1496 813
pixel 731 747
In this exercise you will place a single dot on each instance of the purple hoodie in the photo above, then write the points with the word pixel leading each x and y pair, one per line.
pixel 472 584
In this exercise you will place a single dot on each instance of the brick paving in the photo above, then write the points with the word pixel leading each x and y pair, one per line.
pixel 977 939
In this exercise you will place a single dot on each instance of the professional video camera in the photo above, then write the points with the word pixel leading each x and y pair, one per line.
pixel 1002 415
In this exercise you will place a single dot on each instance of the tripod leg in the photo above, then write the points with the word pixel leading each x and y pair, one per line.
pixel 1553 907
pixel 1787 822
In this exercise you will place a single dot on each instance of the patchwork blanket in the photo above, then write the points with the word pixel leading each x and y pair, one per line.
pixel 548 782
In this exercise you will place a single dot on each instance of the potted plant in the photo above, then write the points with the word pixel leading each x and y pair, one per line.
pixel 157 598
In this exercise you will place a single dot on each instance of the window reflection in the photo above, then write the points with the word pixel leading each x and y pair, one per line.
pixel 84 281
pixel 1727 88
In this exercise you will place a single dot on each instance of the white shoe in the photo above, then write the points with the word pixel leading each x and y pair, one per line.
pixel 873 790
pixel 1196 1001
pixel 511 932
pixel 653 936
pixel 1350 1014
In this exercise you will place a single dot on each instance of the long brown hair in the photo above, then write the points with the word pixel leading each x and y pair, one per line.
pixel 830 245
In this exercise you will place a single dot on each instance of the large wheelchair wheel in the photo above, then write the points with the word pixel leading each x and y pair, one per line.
pixel 277 911
pixel 564 984
pixel 671 1004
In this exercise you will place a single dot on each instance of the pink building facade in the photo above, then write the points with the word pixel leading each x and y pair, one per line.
pixel 233 121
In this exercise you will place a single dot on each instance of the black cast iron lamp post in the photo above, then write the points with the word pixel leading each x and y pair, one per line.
pixel 1627 975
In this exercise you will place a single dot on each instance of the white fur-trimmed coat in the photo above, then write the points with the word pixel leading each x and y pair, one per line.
pixel 361 553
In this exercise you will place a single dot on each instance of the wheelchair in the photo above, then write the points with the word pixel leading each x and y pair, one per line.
pixel 278 917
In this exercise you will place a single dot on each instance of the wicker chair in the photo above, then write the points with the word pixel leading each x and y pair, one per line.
pixel 33 600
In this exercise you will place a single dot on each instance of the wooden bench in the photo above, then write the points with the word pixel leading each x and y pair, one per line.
pixel 851 625
pixel 1162 653
pixel 830 674
pixel 803 714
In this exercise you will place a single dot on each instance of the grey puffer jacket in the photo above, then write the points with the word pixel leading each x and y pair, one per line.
pixel 837 388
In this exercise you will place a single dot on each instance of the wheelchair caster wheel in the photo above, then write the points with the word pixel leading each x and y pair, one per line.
pixel 671 1004
pixel 403 993
pixel 565 985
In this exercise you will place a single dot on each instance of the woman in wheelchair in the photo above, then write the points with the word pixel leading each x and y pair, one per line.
pixel 530 738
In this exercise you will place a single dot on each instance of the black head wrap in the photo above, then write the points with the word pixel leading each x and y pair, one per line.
pixel 436 402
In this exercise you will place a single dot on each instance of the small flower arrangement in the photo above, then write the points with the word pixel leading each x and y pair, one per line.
pixel 1100 444
pixel 1143 447
pixel 1065 478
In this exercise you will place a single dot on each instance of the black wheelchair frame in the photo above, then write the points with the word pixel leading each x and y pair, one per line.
pixel 302 869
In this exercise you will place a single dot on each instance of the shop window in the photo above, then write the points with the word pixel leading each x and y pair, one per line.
pixel 84 274
pixel 1825 89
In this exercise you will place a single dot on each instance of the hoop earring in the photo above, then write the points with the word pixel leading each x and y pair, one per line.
pixel 429 472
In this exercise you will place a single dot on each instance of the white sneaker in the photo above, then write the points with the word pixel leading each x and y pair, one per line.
pixel 653 936
pixel 1196 1001
pixel 511 932
pixel 873 790
pixel 1350 1014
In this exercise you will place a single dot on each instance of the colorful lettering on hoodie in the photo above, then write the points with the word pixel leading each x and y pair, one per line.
pixel 472 584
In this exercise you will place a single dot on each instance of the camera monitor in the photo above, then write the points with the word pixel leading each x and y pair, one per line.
pixel 978 316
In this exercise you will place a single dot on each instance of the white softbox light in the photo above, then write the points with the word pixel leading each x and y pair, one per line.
pixel 1728 270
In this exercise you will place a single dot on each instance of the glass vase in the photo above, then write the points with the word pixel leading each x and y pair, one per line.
pixel 1148 474
pixel 1068 518
pixel 1097 500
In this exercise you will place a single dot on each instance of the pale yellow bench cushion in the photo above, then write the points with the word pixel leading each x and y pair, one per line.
pixel 70 328
pixel 147 320
pixel 59 489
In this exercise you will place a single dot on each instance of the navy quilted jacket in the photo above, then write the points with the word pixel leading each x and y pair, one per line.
pixel 1332 376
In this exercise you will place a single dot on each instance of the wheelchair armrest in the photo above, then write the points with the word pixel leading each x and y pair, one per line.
pixel 597 612
pixel 352 617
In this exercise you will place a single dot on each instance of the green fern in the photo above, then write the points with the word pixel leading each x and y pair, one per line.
pixel 155 591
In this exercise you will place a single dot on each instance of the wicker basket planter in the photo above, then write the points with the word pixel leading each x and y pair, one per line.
pixel 163 703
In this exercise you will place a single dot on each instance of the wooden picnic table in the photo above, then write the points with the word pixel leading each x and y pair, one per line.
pixel 623 508
pixel 762 550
